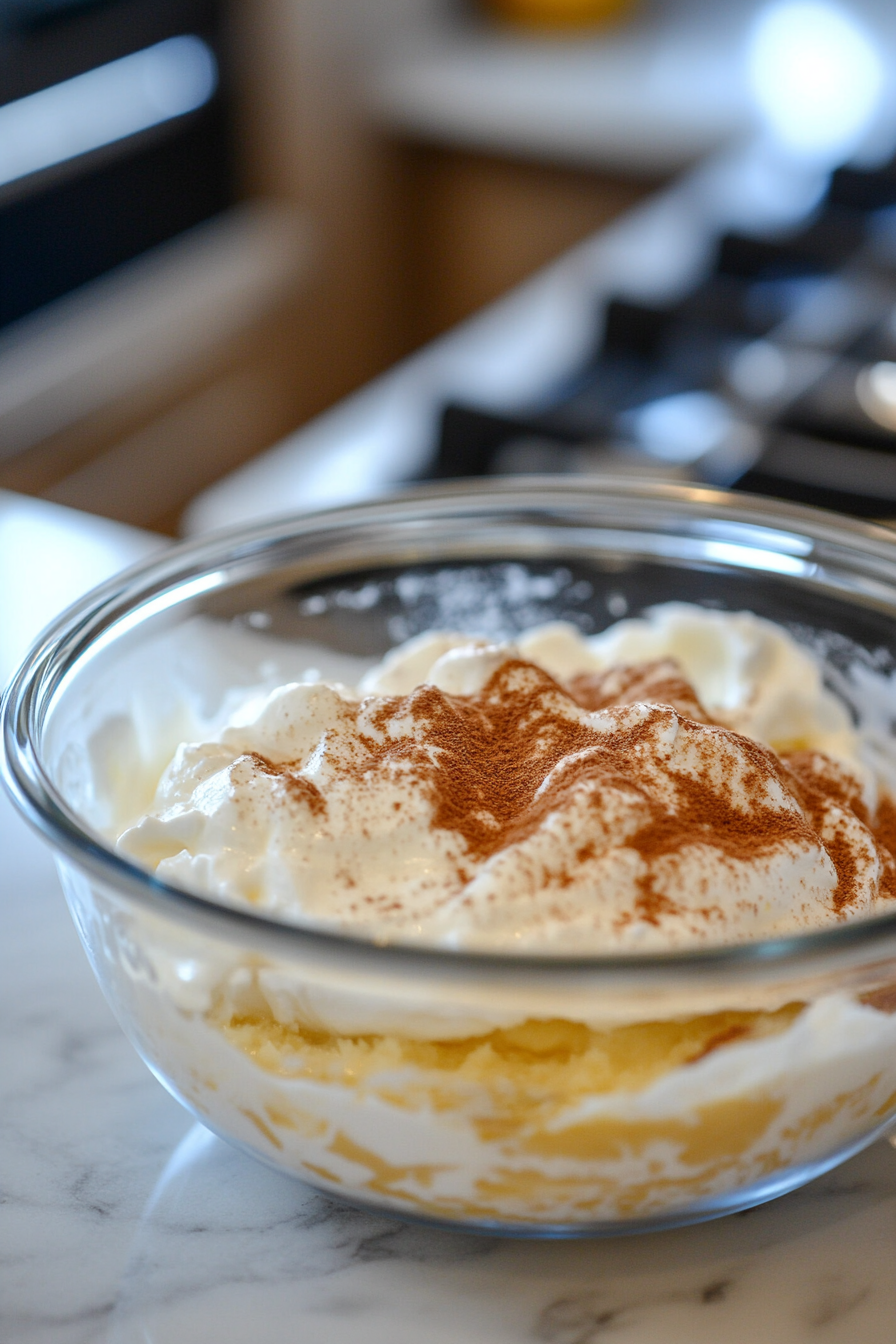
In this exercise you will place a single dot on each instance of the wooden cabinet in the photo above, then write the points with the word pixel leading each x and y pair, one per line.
pixel 131 395
pixel 479 224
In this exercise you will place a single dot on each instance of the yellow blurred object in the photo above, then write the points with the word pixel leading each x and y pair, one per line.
pixel 559 13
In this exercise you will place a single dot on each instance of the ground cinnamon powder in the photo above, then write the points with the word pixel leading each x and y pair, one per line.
pixel 817 780
pixel 660 682
pixel 885 824
pixel 491 754
pixel 297 785
pixel 495 764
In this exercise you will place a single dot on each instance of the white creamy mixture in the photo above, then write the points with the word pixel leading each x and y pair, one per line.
pixel 651 812
pixel 342 807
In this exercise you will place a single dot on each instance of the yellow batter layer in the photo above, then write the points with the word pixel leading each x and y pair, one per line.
pixel 534 1070
pixel 513 1142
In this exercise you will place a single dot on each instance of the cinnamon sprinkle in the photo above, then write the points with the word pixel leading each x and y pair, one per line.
pixel 495 764
pixel 817 781
pixel 658 682
pixel 492 753
pixel 885 824
pixel 299 786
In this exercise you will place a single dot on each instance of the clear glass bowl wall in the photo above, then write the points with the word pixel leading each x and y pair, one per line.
pixel 533 1096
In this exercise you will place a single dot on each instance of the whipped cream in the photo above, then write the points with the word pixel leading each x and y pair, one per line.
pixel 562 793
pixel 748 673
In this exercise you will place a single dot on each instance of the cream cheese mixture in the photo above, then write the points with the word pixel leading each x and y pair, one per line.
pixel 683 780
pixel 680 779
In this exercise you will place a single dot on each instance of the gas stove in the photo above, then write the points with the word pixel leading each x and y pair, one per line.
pixel 775 373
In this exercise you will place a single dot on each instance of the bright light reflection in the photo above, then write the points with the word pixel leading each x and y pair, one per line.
pixel 682 427
pixel 104 105
pixel 760 539
pixel 816 75
pixel 753 558
pixel 876 392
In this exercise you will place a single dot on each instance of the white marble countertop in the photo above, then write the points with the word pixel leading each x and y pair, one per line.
pixel 122 1221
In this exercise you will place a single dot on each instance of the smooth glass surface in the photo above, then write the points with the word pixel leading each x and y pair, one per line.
pixel 413 1080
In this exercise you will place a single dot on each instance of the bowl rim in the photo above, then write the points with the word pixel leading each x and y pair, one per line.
pixel 39 801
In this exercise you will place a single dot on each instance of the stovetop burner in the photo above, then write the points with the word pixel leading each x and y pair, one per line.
pixel 775 374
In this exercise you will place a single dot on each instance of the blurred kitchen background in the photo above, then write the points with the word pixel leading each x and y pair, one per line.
pixel 648 236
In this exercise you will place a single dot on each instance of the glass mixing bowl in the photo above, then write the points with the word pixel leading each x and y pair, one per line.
pixel 529 1095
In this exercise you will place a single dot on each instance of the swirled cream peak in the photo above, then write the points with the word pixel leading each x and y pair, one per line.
pixel 746 672
pixel 537 796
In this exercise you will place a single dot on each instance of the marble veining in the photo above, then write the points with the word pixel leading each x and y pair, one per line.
pixel 224 1240
pixel 122 1222
pixel 84 1128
